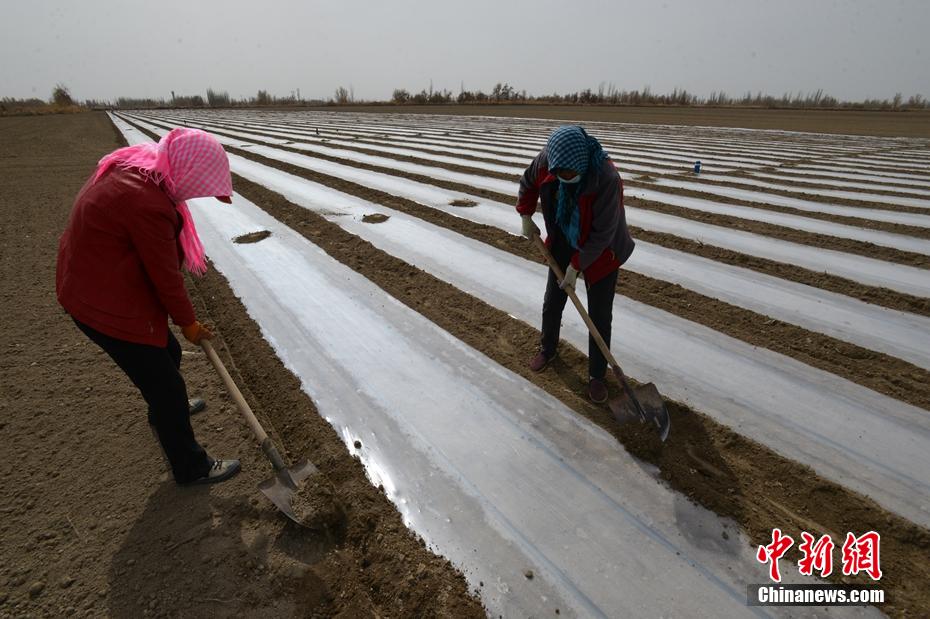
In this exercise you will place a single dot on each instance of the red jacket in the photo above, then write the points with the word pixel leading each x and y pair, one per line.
pixel 604 242
pixel 119 260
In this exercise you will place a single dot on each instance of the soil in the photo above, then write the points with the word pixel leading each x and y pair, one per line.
pixel 91 523
pixel 317 506
pixel 252 237
pixel 707 462
pixel 463 203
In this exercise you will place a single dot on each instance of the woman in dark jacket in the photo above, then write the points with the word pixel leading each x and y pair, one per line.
pixel 581 195
pixel 119 276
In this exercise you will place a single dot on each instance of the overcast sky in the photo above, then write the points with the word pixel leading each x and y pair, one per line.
pixel 852 49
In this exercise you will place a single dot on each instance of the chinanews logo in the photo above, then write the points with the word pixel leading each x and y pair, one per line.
pixel 858 555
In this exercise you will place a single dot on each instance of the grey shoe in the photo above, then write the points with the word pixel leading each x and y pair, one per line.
pixel 220 471
pixel 196 405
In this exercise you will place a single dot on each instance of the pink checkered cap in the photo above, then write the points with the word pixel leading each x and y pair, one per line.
pixel 199 167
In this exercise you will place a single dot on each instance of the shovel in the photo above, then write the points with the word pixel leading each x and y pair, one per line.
pixel 643 402
pixel 279 489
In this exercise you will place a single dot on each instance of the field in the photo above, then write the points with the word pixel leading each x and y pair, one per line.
pixel 780 300
pixel 911 124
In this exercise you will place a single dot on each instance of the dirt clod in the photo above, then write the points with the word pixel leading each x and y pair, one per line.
pixel 375 218
pixel 316 505
pixel 463 202
pixel 252 237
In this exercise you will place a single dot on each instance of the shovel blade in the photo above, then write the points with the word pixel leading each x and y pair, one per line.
pixel 654 408
pixel 654 411
pixel 280 489
pixel 623 409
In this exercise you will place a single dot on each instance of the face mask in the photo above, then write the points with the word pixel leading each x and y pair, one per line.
pixel 572 180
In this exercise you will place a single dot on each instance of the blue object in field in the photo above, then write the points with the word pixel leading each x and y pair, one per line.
pixel 697 167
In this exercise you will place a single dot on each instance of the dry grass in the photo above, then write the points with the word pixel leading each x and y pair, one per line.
pixel 39 110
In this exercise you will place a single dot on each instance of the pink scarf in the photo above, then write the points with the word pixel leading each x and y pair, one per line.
pixel 188 163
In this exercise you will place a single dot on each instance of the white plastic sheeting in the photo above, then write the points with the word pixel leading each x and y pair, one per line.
pixel 864 196
pixel 871 443
pixel 862 269
pixel 895 333
pixel 493 472
pixel 627 164
pixel 907 279
pixel 474 180
pixel 889 174
pixel 806 414
pixel 911 219
pixel 885 161
pixel 876 183
pixel 789 220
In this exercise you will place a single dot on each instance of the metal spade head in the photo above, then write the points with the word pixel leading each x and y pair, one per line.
pixel 643 403
pixel 280 489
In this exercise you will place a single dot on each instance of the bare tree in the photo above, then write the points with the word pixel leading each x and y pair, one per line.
pixel 217 98
pixel 61 95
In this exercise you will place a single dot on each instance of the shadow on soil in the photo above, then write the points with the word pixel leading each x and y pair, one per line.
pixel 193 553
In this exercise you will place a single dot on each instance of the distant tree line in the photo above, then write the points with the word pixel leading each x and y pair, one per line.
pixel 608 94
pixel 214 98
pixel 61 101
pixel 502 93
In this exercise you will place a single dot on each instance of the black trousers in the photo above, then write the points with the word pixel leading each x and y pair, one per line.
pixel 155 372
pixel 600 307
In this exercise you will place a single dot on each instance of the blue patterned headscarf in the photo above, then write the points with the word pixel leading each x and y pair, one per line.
pixel 570 148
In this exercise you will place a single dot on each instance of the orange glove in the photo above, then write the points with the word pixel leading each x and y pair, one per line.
pixel 195 332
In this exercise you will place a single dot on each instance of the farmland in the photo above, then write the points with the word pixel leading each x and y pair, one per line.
pixel 780 300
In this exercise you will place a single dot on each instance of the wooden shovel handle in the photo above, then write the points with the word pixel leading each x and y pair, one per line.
pixel 574 297
pixel 234 391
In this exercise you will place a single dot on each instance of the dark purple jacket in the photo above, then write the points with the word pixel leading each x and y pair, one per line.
pixel 604 241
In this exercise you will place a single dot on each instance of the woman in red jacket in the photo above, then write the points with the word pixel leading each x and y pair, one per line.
pixel 119 276
pixel 581 195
